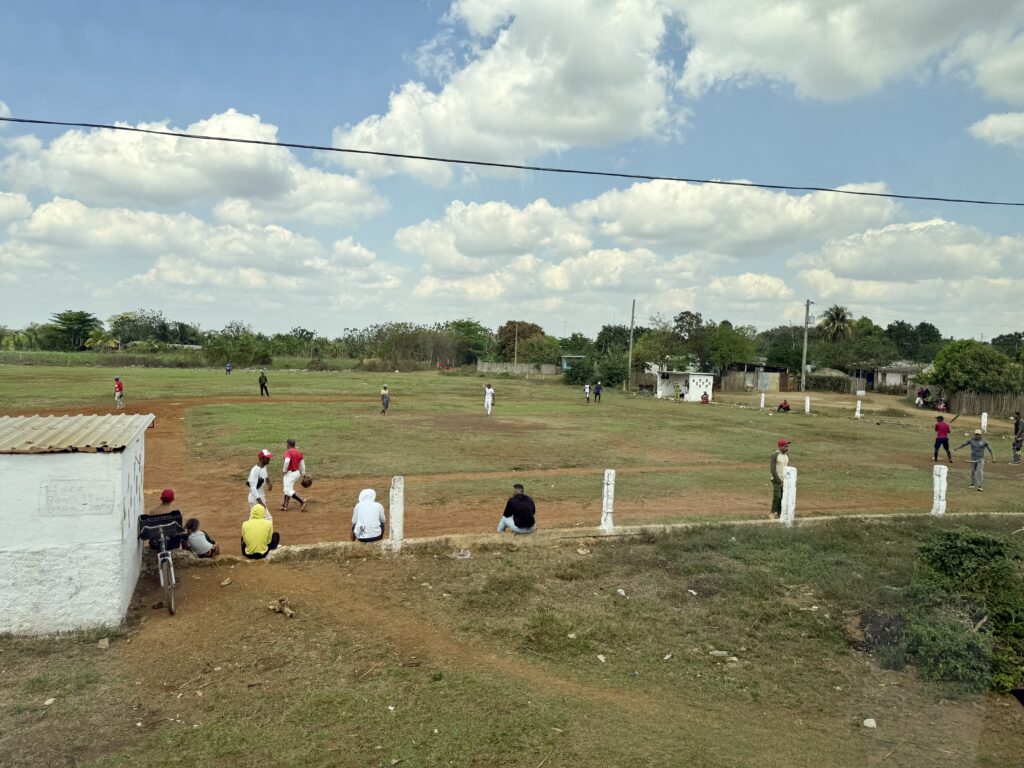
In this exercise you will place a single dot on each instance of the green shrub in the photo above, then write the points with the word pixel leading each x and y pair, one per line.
pixel 948 651
pixel 968 560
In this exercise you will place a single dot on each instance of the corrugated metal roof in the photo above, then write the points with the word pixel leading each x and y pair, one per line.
pixel 70 434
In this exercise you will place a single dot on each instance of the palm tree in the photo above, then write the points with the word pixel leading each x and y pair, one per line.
pixel 836 323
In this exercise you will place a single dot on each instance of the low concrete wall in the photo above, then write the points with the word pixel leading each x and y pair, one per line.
pixel 518 368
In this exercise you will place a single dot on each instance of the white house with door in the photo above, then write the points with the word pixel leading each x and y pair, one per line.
pixel 691 385
pixel 71 495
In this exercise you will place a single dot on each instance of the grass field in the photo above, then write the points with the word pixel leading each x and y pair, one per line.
pixel 494 660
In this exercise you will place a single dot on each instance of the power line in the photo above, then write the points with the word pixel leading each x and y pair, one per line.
pixel 509 166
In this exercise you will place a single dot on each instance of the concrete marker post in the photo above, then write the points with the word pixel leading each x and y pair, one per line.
pixel 788 514
pixel 397 514
pixel 762 401
pixel 807 404
pixel 608 502
pixel 984 422
pixel 856 414
pixel 939 477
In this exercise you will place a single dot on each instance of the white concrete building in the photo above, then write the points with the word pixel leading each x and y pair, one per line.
pixel 694 384
pixel 70 496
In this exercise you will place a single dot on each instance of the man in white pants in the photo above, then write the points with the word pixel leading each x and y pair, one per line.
pixel 259 481
pixel 294 469
pixel 488 398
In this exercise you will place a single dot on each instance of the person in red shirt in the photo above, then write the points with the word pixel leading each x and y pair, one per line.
pixel 294 469
pixel 118 394
pixel 942 438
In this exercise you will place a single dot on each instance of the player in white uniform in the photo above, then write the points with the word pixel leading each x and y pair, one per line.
pixel 259 480
pixel 488 398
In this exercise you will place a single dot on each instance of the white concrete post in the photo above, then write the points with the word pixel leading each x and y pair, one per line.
pixel 762 401
pixel 984 422
pixel 856 414
pixel 788 496
pixel 807 404
pixel 608 501
pixel 397 513
pixel 939 490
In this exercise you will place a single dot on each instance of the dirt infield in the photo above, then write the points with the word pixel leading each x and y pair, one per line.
pixel 205 489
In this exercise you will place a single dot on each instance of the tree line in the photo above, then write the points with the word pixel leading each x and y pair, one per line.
pixel 687 340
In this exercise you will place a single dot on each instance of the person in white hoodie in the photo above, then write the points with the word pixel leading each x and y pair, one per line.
pixel 368 517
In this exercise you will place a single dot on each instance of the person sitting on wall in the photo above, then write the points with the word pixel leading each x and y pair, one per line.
pixel 368 518
pixel 258 536
pixel 520 515
pixel 704 399
pixel 783 407
pixel 199 542
pixel 942 407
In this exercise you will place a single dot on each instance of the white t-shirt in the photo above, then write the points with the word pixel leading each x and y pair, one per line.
pixel 488 395
pixel 198 543
pixel 368 519
pixel 256 488
pixel 781 462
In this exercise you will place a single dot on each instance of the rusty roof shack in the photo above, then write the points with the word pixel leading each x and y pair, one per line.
pixel 71 434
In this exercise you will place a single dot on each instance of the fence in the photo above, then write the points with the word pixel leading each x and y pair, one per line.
pixel 975 403
pixel 518 368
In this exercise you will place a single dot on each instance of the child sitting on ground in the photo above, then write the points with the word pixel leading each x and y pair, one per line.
pixel 198 541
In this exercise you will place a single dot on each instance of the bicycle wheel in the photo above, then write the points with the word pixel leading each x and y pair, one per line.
pixel 167 579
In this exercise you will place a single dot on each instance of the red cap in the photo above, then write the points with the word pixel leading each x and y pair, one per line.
pixel 264 454
pixel 167 495
pixel 783 442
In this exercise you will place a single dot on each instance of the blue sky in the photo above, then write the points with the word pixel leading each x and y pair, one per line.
pixel 926 98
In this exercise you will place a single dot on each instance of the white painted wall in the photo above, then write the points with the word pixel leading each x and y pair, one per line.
pixel 69 557
pixel 698 384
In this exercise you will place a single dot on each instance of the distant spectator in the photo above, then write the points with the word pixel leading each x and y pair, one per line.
pixel 586 392
pixel 942 407
pixel 520 515
pixel 118 394
pixel 777 465
pixel 488 398
pixel 258 537
pixel 597 393
pixel 385 398
pixel 1018 437
pixel 783 407
pixel 264 392
pixel 919 397
pixel 705 399
pixel 368 517
pixel 199 541
pixel 166 497
pixel 227 368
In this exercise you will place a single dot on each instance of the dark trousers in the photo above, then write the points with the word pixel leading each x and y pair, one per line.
pixel 274 541
pixel 264 390
pixel 597 397
pixel 942 442
pixel 776 497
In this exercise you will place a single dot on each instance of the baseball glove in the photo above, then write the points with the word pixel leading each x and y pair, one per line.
pixel 306 481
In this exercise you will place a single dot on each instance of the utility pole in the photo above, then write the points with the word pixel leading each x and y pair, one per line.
pixel 629 363
pixel 803 362
pixel 515 351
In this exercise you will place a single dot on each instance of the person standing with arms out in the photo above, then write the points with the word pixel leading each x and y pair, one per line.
pixel 263 384
pixel 118 394
pixel 488 398
pixel 586 392
pixel 1018 437
pixel 597 393
pixel 978 447
pixel 941 438
pixel 294 469
pixel 778 464
pixel 385 400
pixel 259 480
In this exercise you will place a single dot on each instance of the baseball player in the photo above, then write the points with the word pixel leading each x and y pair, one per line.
pixel 118 394
pixel 259 480
pixel 294 469
pixel 488 398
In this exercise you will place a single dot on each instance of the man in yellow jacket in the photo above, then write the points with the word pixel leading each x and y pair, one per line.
pixel 258 536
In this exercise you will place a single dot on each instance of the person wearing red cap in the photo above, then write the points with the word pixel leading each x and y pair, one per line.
pixel 259 480
pixel 779 462
pixel 166 497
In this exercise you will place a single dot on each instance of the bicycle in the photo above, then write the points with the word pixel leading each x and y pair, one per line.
pixel 164 533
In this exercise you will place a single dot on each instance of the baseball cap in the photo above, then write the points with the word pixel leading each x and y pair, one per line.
pixel 783 442
pixel 167 495
pixel 264 454
pixel 977 431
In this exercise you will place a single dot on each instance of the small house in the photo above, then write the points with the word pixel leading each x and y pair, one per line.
pixel 71 493
pixel 897 375
pixel 691 385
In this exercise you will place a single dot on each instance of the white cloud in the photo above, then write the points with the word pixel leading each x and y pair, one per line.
pixel 1006 128
pixel 749 287
pixel 994 62
pixel 13 206
pixel 5 111
pixel 251 183
pixel 906 251
pixel 556 75
pixel 741 221
pixel 827 49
